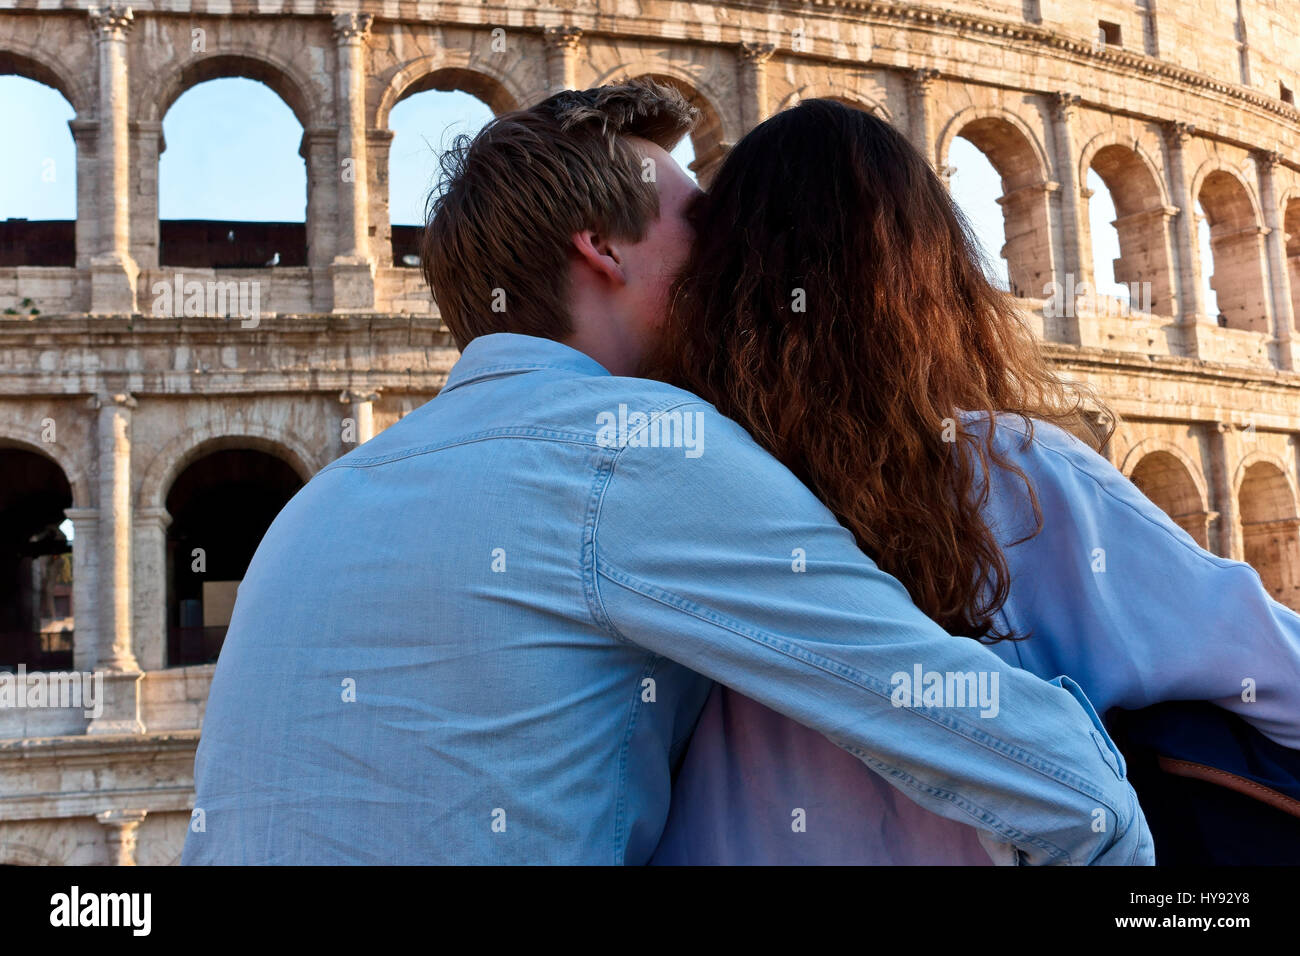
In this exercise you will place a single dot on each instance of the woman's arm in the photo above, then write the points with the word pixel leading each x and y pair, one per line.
pixel 1124 601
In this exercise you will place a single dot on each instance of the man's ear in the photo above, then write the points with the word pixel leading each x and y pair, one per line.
pixel 600 254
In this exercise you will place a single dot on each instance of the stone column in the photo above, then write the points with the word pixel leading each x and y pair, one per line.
pixel 361 411
pixel 379 142
pixel 753 83
pixel 121 827
pixel 1191 308
pixel 318 149
pixel 1227 537
pixel 115 652
pixel 113 271
pixel 1075 256
pixel 85 134
pixel 147 148
pixel 149 576
pixel 561 57
pixel 353 270
pixel 1278 273
pixel 920 84
pixel 85 585
pixel 116 659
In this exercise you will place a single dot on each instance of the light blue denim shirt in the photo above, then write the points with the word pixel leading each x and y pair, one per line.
pixel 486 635
pixel 1114 594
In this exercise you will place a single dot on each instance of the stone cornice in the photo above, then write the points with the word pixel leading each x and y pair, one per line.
pixel 95 748
pixel 763 28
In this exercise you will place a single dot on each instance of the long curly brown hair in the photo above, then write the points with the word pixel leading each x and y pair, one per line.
pixel 836 306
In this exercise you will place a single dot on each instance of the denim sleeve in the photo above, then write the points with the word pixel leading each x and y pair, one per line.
pixel 1134 608
pixel 727 564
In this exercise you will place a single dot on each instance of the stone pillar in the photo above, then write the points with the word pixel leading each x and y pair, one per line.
pixel 1151 257
pixel 85 585
pixel 318 149
pixel 115 652
pixel 1151 31
pixel 116 656
pixel 147 146
pixel 1227 538
pixel 85 134
pixel 149 576
pixel 353 270
pixel 753 83
pixel 1278 273
pixel 361 412
pixel 561 57
pixel 1075 257
pixel 1191 308
pixel 920 84
pixel 379 143
pixel 121 828
pixel 113 271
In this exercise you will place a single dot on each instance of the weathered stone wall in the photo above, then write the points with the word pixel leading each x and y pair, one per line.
pixel 1186 106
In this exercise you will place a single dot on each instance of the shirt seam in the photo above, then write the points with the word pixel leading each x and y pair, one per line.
pixel 604 478
pixel 1075 467
pixel 478 373
pixel 538 434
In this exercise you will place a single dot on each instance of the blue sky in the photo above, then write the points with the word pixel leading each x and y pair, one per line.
pixel 232 153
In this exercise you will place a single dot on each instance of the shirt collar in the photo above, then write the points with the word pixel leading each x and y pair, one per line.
pixel 508 353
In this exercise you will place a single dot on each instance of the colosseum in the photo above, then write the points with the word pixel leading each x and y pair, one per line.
pixel 166 438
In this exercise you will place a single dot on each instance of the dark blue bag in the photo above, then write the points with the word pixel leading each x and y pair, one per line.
pixel 1215 790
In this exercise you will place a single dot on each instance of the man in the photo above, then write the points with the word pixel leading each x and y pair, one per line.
pixel 486 635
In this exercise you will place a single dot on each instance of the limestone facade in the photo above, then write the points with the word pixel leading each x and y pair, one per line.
pixel 1170 103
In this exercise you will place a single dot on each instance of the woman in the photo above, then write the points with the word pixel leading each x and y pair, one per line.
pixel 835 305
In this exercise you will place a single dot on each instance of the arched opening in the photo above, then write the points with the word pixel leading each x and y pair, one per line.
pixel 425 123
pixel 1291 226
pixel 36 541
pixel 1270 531
pixel 1021 234
pixel 1165 480
pixel 232 184
pixel 1234 272
pixel 975 185
pixel 1130 243
pixel 38 177
pixel 221 506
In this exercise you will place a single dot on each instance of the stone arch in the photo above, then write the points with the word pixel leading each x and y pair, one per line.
pixel 714 134
pixel 49 241
pixel 187 448
pixel 1270 527
pixel 17 59
pixel 1237 241
pixel 1019 158
pixel 1142 213
pixel 26 438
pixel 266 67
pixel 447 71
pixel 1167 475
pixel 839 92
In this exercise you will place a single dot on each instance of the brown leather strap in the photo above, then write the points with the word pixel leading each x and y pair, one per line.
pixel 1197 771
